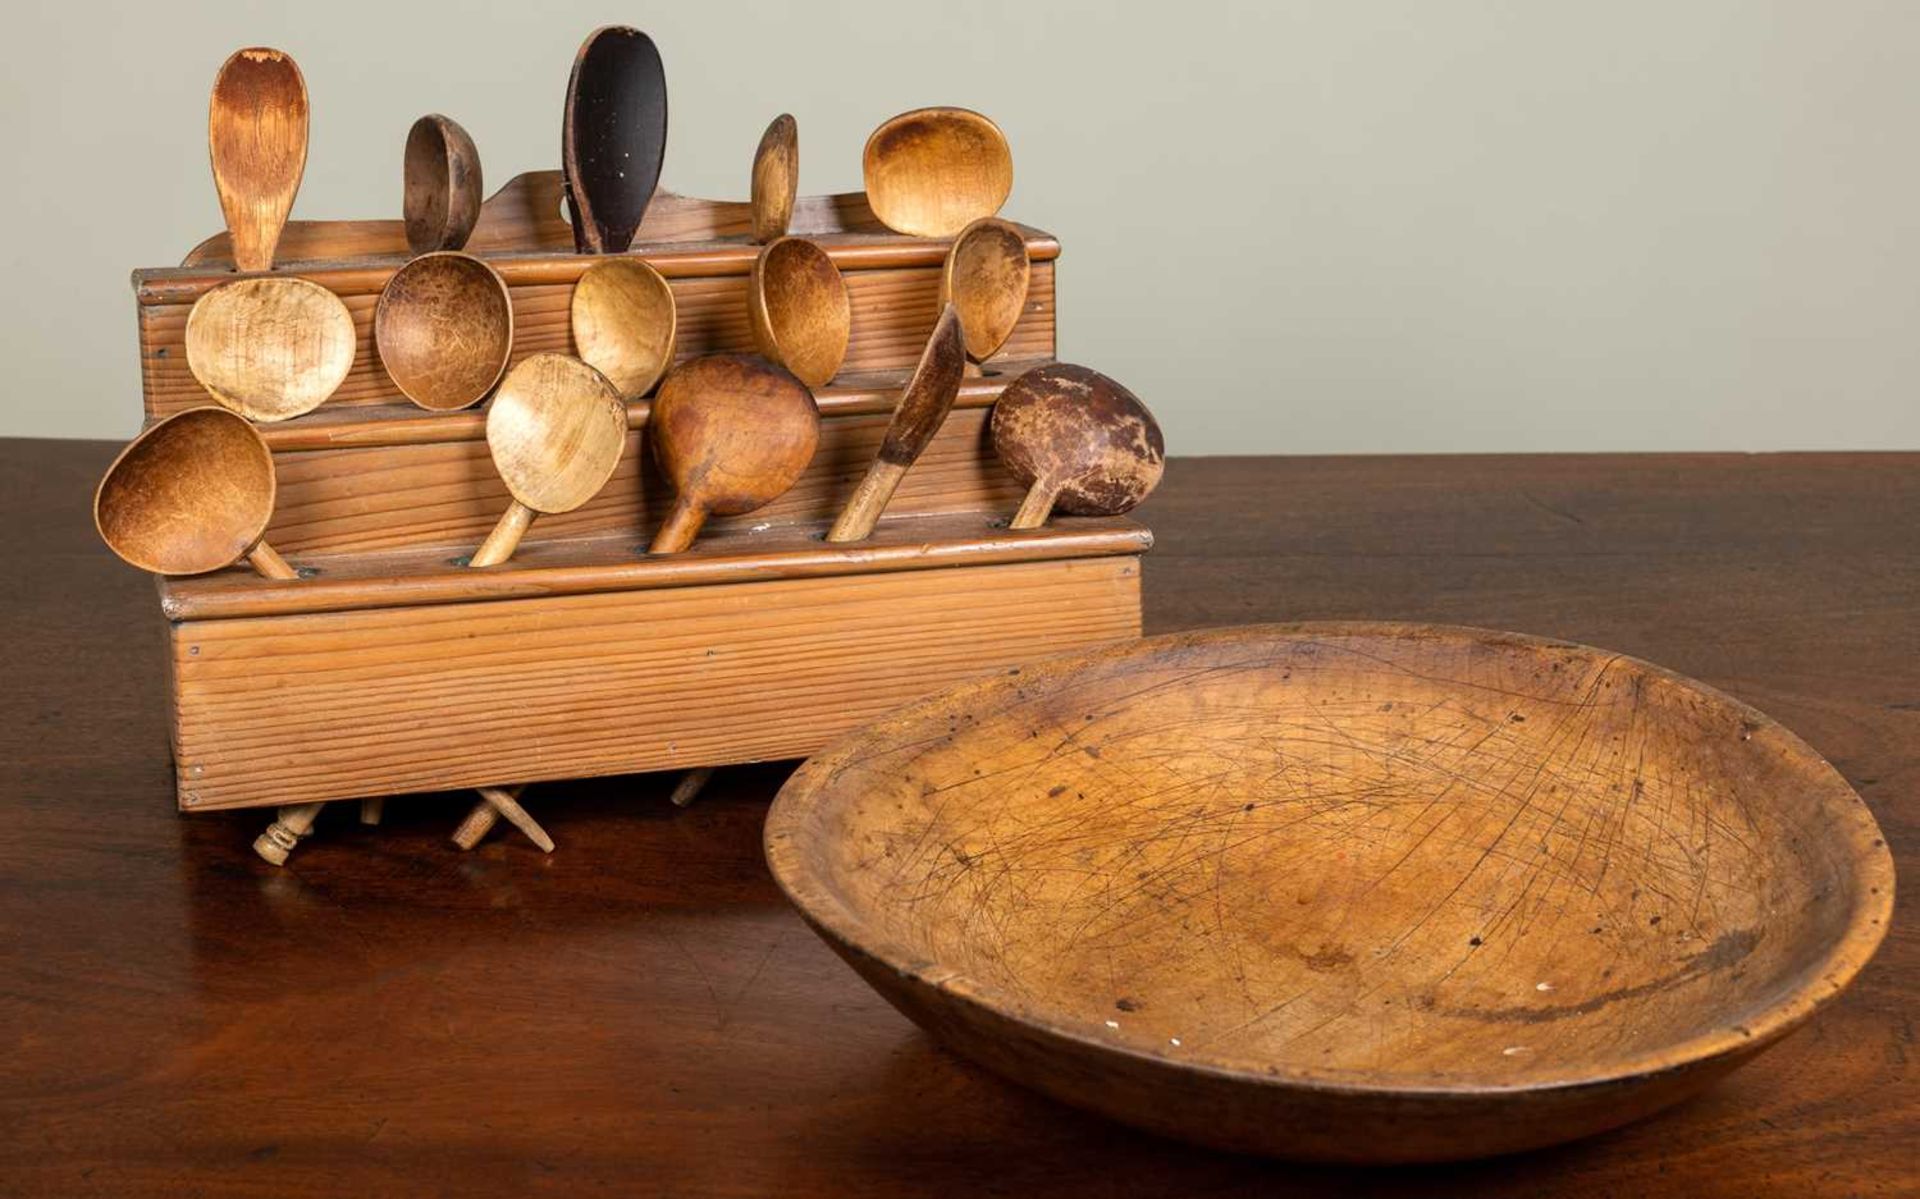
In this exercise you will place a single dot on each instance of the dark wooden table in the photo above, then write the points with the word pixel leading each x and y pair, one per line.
pixel 641 1014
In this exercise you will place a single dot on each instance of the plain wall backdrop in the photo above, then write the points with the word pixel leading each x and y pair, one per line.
pixel 1292 228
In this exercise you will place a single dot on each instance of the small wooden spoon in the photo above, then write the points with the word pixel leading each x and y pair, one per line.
pixel 257 139
pixel 931 171
pixel 1076 439
pixel 443 329
pixel 922 410
pixel 191 494
pixel 624 320
pixel 802 318
pixel 732 432
pixel 776 178
pixel 443 188
pixel 556 429
pixel 986 277
pixel 614 137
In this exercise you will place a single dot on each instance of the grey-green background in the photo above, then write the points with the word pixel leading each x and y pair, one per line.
pixel 1325 227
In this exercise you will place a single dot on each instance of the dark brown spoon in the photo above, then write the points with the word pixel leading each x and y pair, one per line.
pixel 1076 440
pixel 614 137
pixel 443 188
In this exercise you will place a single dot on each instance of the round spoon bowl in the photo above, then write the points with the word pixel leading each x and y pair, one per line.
pixel 556 429
pixel 443 189
pixel 932 171
pixel 270 349
pixel 733 431
pixel 985 277
pixel 802 317
pixel 624 320
pixel 444 330
pixel 776 178
pixel 1364 892
pixel 1077 430
pixel 191 494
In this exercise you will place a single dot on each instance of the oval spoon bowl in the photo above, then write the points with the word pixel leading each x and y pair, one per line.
pixel 442 186
pixel 270 349
pixel 802 316
pixel 932 171
pixel 1361 892
pixel 191 494
pixel 985 278
pixel 624 317
pixel 444 329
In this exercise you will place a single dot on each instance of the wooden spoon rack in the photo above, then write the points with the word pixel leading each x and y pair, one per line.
pixel 390 667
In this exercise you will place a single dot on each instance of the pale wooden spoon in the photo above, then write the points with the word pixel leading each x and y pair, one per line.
pixel 923 408
pixel 444 329
pixel 556 429
pixel 986 276
pixel 624 319
pixel 931 171
pixel 776 178
pixel 1076 439
pixel 731 432
pixel 802 317
pixel 191 494
pixel 442 189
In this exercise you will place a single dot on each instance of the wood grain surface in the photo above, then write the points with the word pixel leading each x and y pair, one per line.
pixel 642 1014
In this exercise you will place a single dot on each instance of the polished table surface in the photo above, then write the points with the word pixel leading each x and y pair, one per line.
pixel 641 1014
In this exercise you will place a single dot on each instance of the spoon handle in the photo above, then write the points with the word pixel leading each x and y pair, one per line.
pixel 681 527
pixel 267 560
pixel 289 825
pixel 869 500
pixel 504 801
pixel 1035 509
pixel 481 820
pixel 505 538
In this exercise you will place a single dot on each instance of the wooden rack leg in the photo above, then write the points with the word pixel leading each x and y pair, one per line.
pixel 289 826
pixel 372 809
pixel 495 802
pixel 690 786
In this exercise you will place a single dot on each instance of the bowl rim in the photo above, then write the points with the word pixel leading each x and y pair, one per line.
pixel 1868 853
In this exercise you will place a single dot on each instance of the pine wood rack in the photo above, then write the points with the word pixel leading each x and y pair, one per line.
pixel 391 668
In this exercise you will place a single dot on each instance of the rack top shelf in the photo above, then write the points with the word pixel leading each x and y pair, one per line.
pixel 619 563
pixel 524 235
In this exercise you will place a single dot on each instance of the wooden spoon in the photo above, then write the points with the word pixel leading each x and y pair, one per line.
pixel 614 137
pixel 443 329
pixel 556 429
pixel 922 409
pixel 191 494
pixel 802 318
pixel 269 349
pixel 1076 439
pixel 624 320
pixel 931 171
pixel 443 188
pixel 776 178
pixel 257 138
pixel 732 432
pixel 985 277
pixel 272 348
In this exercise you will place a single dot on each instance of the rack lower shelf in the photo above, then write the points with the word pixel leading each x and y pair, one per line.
pixel 408 673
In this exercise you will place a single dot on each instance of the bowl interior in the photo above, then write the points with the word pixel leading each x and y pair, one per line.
pixel 444 330
pixel 1400 855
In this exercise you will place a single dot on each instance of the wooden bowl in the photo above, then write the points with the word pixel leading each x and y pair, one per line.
pixel 1358 892
pixel 191 494
pixel 442 185
pixel 444 330
pixel 802 318
pixel 931 171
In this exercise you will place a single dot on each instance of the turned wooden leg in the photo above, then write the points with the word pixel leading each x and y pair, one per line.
pixel 691 785
pixel 289 826
pixel 372 809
